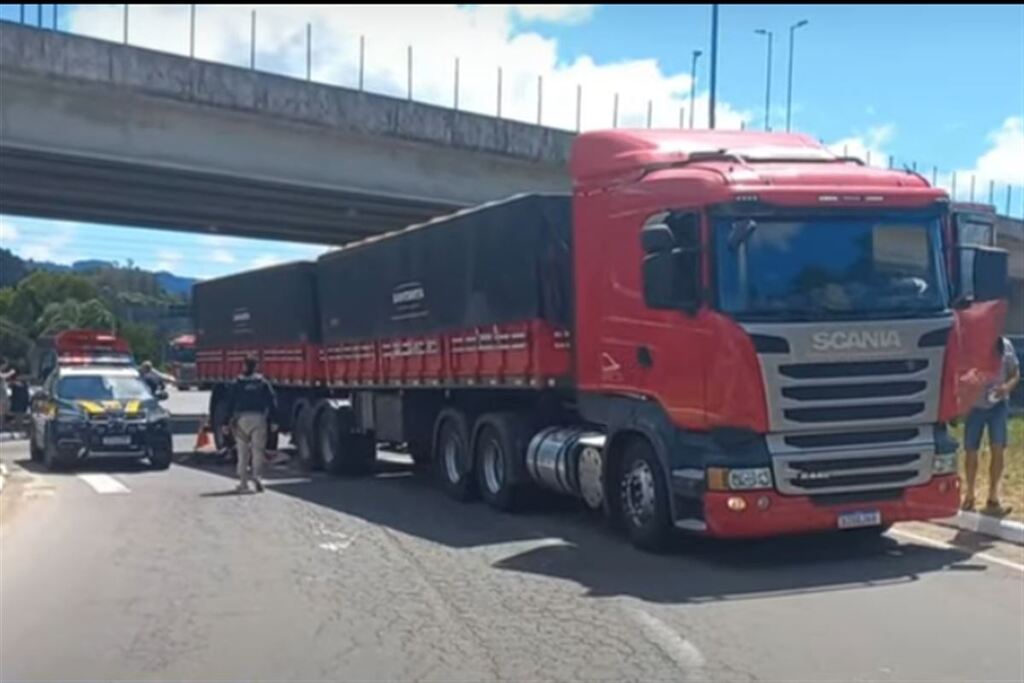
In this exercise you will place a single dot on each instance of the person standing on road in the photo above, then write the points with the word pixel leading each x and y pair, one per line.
pixel 251 408
pixel 992 410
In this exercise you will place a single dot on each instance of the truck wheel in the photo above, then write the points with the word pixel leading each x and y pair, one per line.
pixel 160 458
pixel 452 457
pixel 643 497
pixel 218 420
pixel 343 451
pixel 305 438
pixel 499 455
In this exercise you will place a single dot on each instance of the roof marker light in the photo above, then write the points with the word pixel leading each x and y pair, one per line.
pixel 828 198
pixel 874 198
pixel 747 198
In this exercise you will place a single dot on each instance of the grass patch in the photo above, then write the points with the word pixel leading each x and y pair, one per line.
pixel 1011 490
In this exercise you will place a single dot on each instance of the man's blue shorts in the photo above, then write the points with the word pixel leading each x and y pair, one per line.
pixel 995 418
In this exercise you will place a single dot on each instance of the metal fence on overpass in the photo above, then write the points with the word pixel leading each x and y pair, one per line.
pixel 962 186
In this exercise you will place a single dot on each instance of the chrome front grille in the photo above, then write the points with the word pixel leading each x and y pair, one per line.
pixel 851 393
pixel 851 419
pixel 846 471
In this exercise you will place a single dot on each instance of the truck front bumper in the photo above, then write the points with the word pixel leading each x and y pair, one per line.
pixel 768 513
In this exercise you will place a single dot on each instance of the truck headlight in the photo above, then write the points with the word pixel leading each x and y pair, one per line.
pixel 944 463
pixel 741 479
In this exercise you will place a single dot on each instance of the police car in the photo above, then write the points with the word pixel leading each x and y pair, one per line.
pixel 96 404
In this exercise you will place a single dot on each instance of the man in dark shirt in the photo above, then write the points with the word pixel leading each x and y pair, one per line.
pixel 251 407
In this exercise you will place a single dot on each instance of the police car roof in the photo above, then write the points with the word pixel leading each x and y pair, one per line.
pixel 105 370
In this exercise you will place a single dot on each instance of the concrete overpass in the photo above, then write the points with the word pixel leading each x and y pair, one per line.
pixel 97 131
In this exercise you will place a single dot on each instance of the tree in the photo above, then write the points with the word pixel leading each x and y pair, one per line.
pixel 72 315
pixel 15 345
pixel 143 341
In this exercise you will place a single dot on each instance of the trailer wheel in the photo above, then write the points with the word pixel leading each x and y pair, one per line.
pixel 643 497
pixel 218 420
pixel 305 438
pixel 452 455
pixel 343 451
pixel 499 452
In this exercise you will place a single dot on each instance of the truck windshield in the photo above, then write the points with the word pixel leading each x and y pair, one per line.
pixel 102 388
pixel 830 267
pixel 182 354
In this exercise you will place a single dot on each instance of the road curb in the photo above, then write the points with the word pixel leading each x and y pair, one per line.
pixel 1005 529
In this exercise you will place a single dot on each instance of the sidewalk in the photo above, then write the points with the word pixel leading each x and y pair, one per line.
pixel 1005 529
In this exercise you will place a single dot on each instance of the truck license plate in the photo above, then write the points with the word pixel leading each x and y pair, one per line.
pixel 860 518
pixel 117 440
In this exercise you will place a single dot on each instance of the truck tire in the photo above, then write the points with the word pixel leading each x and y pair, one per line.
pixel 643 497
pixel 344 452
pixel 452 457
pixel 499 454
pixel 304 435
pixel 219 418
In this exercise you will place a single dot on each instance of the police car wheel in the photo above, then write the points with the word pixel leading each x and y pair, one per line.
pixel 34 451
pixel 160 459
pixel 51 455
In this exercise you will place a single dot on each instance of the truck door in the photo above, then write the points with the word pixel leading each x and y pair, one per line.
pixel 980 290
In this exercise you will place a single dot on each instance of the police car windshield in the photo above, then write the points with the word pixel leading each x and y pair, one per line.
pixel 102 388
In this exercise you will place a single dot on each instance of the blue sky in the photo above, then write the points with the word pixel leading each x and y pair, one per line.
pixel 937 85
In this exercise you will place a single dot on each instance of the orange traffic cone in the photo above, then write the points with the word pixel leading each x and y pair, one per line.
pixel 203 439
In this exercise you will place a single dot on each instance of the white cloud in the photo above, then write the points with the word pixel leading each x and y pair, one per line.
pixel 482 36
pixel 557 14
pixel 45 240
pixel 8 234
pixel 222 256
pixel 265 260
pixel 999 166
pixel 167 259
pixel 870 147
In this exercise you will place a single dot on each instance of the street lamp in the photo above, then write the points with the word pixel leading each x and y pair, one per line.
pixel 789 88
pixel 693 82
pixel 768 86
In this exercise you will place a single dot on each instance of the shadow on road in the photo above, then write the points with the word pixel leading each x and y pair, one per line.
pixel 578 548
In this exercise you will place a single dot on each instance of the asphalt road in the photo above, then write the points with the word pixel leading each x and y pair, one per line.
pixel 116 572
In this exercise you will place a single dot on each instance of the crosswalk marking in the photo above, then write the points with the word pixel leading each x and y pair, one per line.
pixel 104 483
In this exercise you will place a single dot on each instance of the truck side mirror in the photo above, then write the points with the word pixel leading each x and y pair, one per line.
pixel 656 238
pixel 671 274
pixel 983 274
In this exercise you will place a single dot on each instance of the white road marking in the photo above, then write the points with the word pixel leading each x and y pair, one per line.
pixel 949 546
pixel 104 483
pixel 681 651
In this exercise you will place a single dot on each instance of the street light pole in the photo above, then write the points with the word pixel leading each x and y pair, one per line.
pixel 768 82
pixel 693 83
pixel 714 66
pixel 789 87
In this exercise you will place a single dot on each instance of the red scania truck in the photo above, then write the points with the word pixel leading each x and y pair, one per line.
pixel 735 334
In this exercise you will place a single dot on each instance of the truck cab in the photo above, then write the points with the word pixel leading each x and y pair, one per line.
pixel 181 360
pixel 785 328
